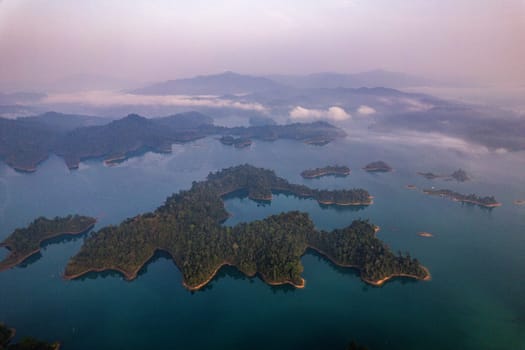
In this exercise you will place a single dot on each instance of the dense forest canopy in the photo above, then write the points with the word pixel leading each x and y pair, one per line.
pixel 188 227
pixel 24 242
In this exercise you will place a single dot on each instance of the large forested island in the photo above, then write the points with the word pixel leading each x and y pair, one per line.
pixel 26 242
pixel 487 201
pixel 25 142
pixel 188 227
pixel 337 170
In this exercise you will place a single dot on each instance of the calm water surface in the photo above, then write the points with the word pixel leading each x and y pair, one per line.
pixel 477 257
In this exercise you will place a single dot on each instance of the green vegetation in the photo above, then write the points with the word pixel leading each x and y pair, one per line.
pixel 27 343
pixel 187 226
pixel 337 170
pixel 240 142
pixel 25 242
pixel 378 166
pixel 25 142
pixel 357 245
pixel 430 176
pixel 6 334
pixel 488 201
pixel 459 175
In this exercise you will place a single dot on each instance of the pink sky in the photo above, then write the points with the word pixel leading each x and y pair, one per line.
pixel 138 41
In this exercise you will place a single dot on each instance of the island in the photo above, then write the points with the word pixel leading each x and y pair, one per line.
pixel 28 343
pixel 240 142
pixel 487 202
pixel 188 227
pixel 336 170
pixel 26 142
pixel 459 175
pixel 26 242
pixel 425 234
pixel 378 166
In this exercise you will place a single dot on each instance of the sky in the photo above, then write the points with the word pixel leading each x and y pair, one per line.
pixel 44 41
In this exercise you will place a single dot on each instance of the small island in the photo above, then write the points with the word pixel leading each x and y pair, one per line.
pixel 336 170
pixel 459 175
pixel 425 234
pixel 379 166
pixel 26 242
pixel 487 202
pixel 7 334
pixel 188 228
pixel 239 142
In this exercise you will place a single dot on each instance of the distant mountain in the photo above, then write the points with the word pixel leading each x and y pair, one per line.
pixel 218 84
pixel 25 142
pixel 186 120
pixel 372 78
pixel 64 122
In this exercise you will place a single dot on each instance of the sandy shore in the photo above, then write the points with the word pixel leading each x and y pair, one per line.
pixel 263 278
pixel 378 282
pixel 425 234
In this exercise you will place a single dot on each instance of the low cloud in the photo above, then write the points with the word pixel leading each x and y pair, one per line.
pixel 366 110
pixel 333 113
pixel 108 98
pixel 409 104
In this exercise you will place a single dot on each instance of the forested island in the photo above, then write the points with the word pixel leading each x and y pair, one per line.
pixel 26 242
pixel 487 201
pixel 378 166
pixel 239 142
pixel 27 343
pixel 26 142
pixel 459 175
pixel 188 227
pixel 336 170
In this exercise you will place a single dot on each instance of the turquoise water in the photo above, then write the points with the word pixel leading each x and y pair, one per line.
pixel 477 257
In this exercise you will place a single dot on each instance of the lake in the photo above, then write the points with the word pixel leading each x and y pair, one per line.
pixel 475 299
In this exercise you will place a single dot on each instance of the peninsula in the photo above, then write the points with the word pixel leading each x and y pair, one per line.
pixel 336 170
pixel 459 175
pixel 378 166
pixel 188 227
pixel 487 202
pixel 26 242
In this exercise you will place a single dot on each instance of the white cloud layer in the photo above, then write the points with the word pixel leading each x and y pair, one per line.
pixel 333 113
pixel 366 110
pixel 109 98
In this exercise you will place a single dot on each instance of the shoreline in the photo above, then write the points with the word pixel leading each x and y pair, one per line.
pixel 463 200
pixel 130 276
pixel 23 258
pixel 326 173
pixel 378 170
pixel 379 282
pixel 344 204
